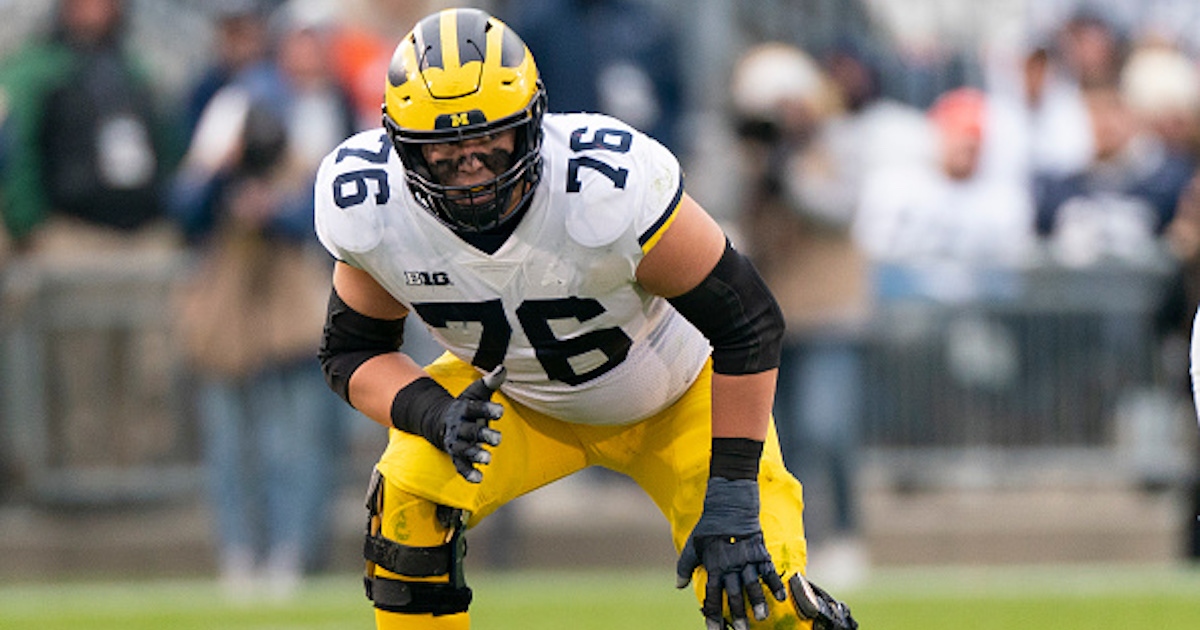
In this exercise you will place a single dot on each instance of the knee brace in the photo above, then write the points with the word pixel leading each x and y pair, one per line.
pixel 414 597
pixel 813 603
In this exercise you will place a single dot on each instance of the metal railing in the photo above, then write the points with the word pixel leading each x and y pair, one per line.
pixel 983 375
pixel 92 385
pixel 1048 366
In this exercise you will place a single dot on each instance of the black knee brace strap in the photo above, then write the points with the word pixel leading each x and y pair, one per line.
pixel 417 598
pixel 406 560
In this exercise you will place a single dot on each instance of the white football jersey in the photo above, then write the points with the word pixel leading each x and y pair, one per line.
pixel 558 303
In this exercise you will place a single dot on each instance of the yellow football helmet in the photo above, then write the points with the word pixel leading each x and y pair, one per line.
pixel 463 74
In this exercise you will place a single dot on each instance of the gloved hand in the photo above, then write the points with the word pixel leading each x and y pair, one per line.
pixel 728 541
pixel 462 425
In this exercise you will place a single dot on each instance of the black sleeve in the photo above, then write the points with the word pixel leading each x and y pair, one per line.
pixel 350 339
pixel 733 307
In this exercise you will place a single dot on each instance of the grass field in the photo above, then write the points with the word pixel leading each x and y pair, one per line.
pixel 893 599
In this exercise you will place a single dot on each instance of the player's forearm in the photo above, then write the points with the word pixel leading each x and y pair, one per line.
pixel 742 404
pixel 374 385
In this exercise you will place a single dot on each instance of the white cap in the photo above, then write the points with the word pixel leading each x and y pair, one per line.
pixel 1160 80
pixel 771 74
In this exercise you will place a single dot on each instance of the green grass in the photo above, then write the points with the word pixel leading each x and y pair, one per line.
pixel 1052 598
pixel 893 599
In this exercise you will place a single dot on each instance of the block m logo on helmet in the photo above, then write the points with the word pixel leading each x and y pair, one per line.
pixel 461 119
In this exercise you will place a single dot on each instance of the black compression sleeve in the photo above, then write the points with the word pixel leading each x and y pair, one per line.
pixel 417 409
pixel 734 308
pixel 350 339
pixel 735 458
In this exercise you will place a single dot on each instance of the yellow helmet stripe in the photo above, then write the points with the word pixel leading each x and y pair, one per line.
pixel 449 35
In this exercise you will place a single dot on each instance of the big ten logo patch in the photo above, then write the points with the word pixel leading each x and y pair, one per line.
pixel 426 278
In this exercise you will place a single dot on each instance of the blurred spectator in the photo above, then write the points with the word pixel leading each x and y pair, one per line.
pixel 874 131
pixel 1162 87
pixel 624 61
pixel 362 43
pixel 240 41
pixel 924 48
pixel 1091 48
pixel 1042 109
pixel 1117 203
pixel 86 153
pixel 253 311
pixel 945 210
pixel 802 172
pixel 1120 203
pixel 1060 140
pixel 6 132
pixel 1038 107
pixel 86 145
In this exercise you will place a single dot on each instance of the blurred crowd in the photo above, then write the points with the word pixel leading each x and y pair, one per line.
pixel 877 169
pixel 857 150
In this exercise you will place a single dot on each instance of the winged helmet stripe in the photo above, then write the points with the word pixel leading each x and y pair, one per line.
pixel 471 40
pixel 428 44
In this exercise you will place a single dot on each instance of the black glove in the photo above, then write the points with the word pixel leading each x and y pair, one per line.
pixel 728 541
pixel 458 426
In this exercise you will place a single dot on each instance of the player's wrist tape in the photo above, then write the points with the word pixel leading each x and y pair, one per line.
pixel 735 458
pixel 417 409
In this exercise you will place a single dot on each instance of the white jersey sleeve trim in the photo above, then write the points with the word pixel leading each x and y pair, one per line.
pixel 649 238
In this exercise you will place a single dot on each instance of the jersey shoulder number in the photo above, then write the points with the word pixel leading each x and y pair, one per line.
pixel 609 175
pixel 352 182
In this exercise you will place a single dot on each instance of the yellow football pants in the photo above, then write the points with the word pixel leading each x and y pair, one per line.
pixel 666 454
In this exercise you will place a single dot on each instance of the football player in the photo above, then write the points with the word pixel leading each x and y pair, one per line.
pixel 592 315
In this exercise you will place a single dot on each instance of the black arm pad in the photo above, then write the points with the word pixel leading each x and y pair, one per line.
pixel 350 339
pixel 734 308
